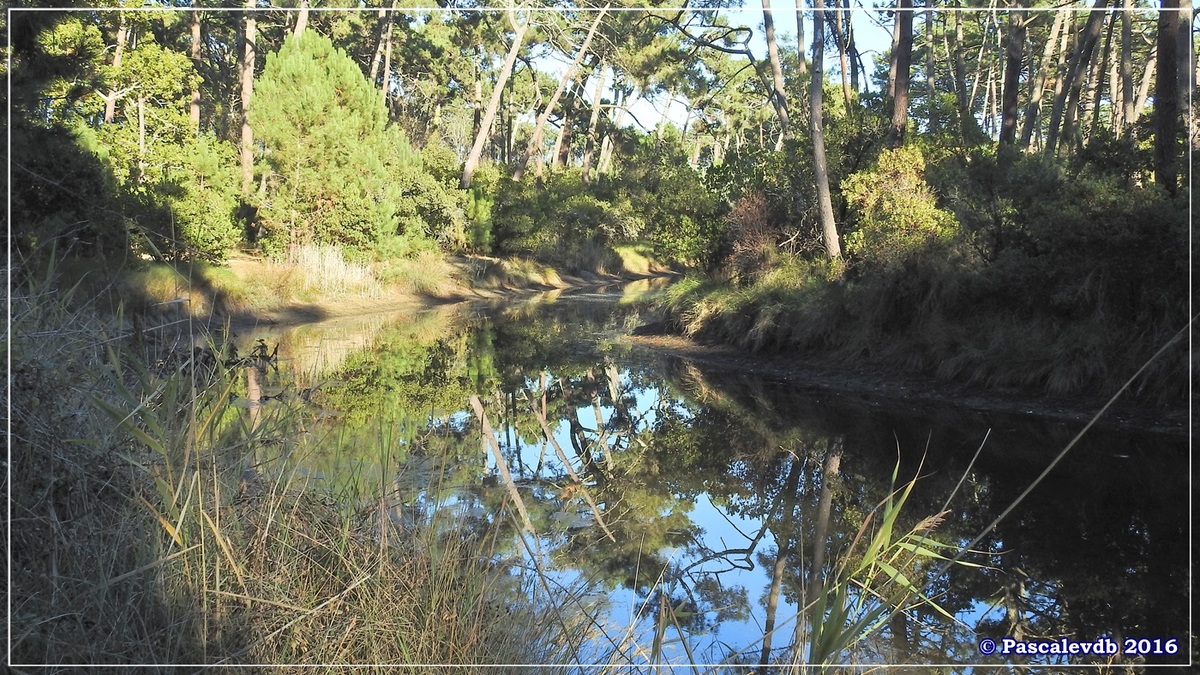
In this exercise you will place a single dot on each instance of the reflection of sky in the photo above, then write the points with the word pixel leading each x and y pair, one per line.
pixel 714 531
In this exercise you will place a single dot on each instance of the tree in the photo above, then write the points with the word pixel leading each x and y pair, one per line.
pixel 247 79
pixel 489 117
pixel 1066 100
pixel 1013 58
pixel 833 249
pixel 535 140
pixel 778 98
pixel 339 173
pixel 903 59
pixel 1167 104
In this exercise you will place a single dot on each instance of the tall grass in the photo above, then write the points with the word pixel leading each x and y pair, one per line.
pixel 326 270
pixel 937 319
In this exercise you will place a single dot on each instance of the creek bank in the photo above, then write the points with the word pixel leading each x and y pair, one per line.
pixel 465 279
pixel 876 386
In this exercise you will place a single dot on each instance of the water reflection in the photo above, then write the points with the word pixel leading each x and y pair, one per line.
pixel 704 514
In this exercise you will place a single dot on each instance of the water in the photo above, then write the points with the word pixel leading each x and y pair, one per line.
pixel 665 491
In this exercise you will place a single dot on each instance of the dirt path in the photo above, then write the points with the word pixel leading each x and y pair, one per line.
pixel 915 390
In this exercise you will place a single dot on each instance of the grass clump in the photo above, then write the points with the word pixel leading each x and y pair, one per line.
pixel 325 270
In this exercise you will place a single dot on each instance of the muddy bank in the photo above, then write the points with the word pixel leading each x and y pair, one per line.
pixel 878 386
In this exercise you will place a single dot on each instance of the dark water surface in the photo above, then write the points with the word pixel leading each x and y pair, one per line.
pixel 682 504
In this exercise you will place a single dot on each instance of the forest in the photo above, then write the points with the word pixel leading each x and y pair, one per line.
pixel 1015 167
pixel 990 195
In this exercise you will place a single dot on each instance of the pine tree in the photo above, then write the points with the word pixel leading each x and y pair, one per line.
pixel 339 174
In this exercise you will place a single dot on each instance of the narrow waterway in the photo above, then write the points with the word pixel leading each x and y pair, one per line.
pixel 692 512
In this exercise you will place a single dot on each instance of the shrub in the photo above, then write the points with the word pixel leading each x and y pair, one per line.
pixel 897 213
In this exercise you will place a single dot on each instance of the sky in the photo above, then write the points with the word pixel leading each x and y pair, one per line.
pixel 872 41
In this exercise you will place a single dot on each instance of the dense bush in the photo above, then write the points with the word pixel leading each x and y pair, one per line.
pixel 897 213
pixel 656 197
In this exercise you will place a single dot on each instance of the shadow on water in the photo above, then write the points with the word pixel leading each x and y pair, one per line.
pixel 702 510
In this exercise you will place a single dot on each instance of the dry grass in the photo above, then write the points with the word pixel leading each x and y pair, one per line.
pixel 325 270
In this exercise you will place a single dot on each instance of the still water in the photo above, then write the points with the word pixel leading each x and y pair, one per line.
pixel 692 510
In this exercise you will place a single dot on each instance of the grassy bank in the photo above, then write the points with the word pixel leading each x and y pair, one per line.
pixel 933 316
pixel 325 279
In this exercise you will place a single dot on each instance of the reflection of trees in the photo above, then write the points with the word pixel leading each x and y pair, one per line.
pixel 610 463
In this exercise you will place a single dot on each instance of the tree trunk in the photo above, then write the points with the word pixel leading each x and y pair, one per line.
pixel 384 19
pixel 1166 96
pixel 783 533
pixel 536 139
pixel 965 120
pixel 802 70
pixel 1013 57
pixel 1099 71
pixel 979 69
pixel 198 63
pixel 110 101
pixel 593 122
pixel 893 65
pixel 1039 80
pixel 839 38
pixel 930 79
pixel 1143 94
pixel 778 99
pixel 1063 117
pixel 1127 100
pixel 485 126
pixel 141 120
pixel 387 57
pixel 833 249
pixel 852 51
pixel 816 571
pixel 301 18
pixel 248 56
pixel 562 145
pixel 903 60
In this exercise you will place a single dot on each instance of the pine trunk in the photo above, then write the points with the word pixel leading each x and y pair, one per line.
pixel 198 64
pixel 1014 55
pixel 110 101
pixel 536 140
pixel 485 126
pixel 593 122
pixel 301 19
pixel 1127 100
pixel 903 60
pixel 1166 97
pixel 779 100
pixel 1063 117
pixel 1039 81
pixel 833 249
pixel 247 77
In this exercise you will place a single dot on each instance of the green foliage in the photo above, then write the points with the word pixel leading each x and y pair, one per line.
pixel 897 213
pixel 655 197
pixel 339 174
pixel 206 199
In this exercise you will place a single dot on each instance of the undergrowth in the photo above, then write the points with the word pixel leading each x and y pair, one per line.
pixel 938 317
